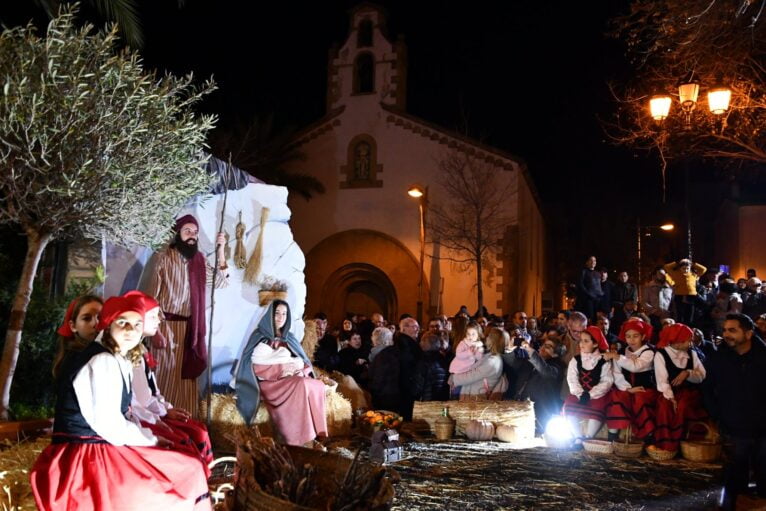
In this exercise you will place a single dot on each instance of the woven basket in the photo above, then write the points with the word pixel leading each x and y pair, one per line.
pixel 597 446
pixel 703 451
pixel 660 454
pixel 266 297
pixel 444 428
pixel 628 450
pixel 330 471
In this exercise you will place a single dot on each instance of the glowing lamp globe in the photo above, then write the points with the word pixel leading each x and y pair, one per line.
pixel 659 106
pixel 667 227
pixel 718 100
pixel 688 93
pixel 415 191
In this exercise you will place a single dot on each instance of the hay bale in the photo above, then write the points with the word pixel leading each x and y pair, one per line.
pixel 338 411
pixel 520 414
pixel 15 464
pixel 226 421
pixel 310 341
pixel 349 389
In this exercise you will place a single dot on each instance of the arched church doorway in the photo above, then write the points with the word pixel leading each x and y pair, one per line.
pixel 362 271
pixel 359 288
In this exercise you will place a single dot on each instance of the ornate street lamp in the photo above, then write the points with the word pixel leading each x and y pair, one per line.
pixel 659 106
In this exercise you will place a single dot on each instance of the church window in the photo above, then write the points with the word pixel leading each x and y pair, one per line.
pixel 364 34
pixel 362 169
pixel 364 74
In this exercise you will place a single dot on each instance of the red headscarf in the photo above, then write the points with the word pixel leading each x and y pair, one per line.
pixel 598 337
pixel 639 326
pixel 117 305
pixel 671 334
pixel 186 219
pixel 148 301
pixel 65 330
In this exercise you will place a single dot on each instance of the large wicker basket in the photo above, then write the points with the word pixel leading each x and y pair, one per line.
pixel 658 454
pixel 628 449
pixel 330 471
pixel 594 446
pixel 703 451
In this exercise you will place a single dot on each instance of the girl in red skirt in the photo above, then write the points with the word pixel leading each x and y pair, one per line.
pixel 678 372
pixel 99 460
pixel 148 404
pixel 590 378
pixel 632 399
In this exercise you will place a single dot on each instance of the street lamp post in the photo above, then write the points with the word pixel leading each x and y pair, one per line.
pixel 421 193
pixel 718 98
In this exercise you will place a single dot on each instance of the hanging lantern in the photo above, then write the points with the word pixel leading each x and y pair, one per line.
pixel 718 99
pixel 688 91
pixel 659 106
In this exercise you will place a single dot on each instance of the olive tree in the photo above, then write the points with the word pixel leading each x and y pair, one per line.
pixel 92 146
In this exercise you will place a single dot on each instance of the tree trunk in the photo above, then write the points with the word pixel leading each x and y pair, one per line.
pixel 479 245
pixel 36 243
pixel 479 287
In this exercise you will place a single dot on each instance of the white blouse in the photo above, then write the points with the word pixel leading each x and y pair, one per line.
pixel 680 359
pixel 589 361
pixel 98 387
pixel 144 405
pixel 634 362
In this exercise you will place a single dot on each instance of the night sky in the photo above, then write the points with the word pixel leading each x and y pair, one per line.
pixel 528 77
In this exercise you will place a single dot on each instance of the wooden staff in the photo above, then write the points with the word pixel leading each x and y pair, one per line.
pixel 212 298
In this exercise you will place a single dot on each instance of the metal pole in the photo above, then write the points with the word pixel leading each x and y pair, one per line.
pixel 688 211
pixel 212 300
pixel 422 208
pixel 638 250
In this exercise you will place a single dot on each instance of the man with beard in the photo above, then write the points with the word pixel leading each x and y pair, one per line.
pixel 735 394
pixel 178 283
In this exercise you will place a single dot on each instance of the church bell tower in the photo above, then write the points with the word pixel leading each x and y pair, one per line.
pixel 368 67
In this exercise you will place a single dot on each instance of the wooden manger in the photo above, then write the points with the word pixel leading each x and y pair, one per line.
pixel 519 414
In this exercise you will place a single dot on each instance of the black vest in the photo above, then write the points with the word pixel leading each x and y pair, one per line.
pixel 674 371
pixel 644 379
pixel 589 378
pixel 69 424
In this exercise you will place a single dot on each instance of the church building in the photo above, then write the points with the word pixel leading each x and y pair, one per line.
pixel 362 237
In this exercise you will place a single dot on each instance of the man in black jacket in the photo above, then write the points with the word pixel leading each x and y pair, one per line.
pixel 735 394
pixel 589 289
pixel 537 376
pixel 409 356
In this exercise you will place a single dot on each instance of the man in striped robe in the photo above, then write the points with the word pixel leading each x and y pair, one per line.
pixel 181 276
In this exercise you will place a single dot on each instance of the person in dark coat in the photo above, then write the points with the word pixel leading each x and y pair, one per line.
pixel 430 383
pixel 353 360
pixel 589 289
pixel 383 370
pixel 537 376
pixel 409 356
pixel 607 293
pixel 735 394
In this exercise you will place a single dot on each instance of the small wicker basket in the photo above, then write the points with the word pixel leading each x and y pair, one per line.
pixel 703 451
pixel 628 449
pixel 266 297
pixel 658 454
pixel 444 428
pixel 597 446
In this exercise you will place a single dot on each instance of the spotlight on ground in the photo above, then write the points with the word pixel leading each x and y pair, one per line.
pixel 559 433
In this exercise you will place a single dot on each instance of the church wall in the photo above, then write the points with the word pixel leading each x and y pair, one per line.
pixel 406 158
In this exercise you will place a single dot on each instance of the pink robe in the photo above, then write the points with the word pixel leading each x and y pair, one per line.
pixel 296 404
